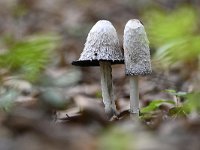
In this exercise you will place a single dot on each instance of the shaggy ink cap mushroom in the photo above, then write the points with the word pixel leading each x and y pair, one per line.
pixel 102 49
pixel 102 44
pixel 136 49
pixel 137 60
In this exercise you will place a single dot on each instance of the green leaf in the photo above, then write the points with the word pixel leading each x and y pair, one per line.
pixel 155 105
pixel 173 35
pixel 192 102
pixel 29 56
pixel 184 49
pixel 174 93
pixel 170 91
pixel 165 26
pixel 177 111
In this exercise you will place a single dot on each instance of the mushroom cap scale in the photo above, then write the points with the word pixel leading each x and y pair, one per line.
pixel 136 49
pixel 102 44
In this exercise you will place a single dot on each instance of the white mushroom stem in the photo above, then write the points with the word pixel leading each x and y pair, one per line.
pixel 107 88
pixel 134 96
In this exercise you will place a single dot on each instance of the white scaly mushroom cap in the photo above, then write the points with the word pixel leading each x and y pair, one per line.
pixel 136 49
pixel 102 43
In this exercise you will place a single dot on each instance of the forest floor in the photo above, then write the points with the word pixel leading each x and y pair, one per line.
pixel 64 108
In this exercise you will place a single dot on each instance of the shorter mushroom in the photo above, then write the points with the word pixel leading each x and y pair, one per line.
pixel 137 59
pixel 102 49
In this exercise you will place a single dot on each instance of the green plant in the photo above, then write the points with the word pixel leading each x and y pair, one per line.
pixel 173 35
pixel 190 104
pixel 29 56
pixel 154 105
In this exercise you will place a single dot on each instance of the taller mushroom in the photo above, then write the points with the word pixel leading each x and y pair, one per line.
pixel 137 59
pixel 102 49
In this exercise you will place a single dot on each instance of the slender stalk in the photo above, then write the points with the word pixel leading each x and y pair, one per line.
pixel 134 96
pixel 107 88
